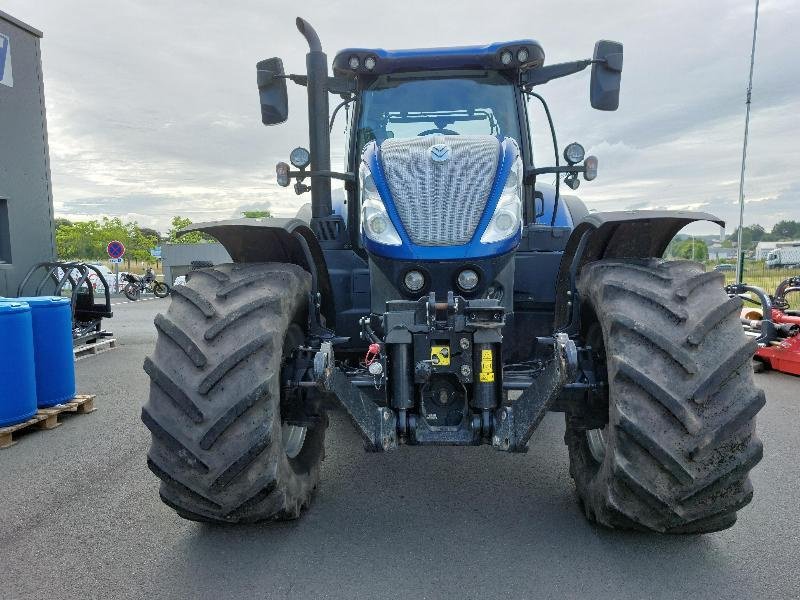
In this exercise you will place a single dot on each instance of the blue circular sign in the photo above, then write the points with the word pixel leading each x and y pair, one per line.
pixel 115 249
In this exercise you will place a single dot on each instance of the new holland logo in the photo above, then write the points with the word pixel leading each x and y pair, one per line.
pixel 6 77
pixel 439 152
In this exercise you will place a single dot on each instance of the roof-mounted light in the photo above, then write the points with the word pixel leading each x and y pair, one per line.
pixel 523 55
pixel 370 63
pixel 506 57
pixel 354 62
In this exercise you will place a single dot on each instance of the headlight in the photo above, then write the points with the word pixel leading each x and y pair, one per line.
pixel 507 217
pixel 467 280
pixel 414 281
pixel 375 221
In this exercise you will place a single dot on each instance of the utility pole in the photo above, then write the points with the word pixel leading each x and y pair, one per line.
pixel 739 249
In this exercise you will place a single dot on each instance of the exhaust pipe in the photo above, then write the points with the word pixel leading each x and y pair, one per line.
pixel 319 140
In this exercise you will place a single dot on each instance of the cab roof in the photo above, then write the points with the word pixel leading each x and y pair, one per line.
pixel 525 54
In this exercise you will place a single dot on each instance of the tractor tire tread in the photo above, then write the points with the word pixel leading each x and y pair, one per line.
pixel 681 437
pixel 214 406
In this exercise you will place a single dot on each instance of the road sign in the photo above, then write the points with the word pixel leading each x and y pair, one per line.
pixel 115 261
pixel 116 249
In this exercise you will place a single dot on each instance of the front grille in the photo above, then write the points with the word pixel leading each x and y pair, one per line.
pixel 440 203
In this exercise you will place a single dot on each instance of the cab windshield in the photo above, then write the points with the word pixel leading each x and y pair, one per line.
pixel 410 105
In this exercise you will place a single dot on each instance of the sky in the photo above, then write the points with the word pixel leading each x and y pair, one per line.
pixel 153 111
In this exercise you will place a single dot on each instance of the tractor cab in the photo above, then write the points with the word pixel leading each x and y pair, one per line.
pixel 442 185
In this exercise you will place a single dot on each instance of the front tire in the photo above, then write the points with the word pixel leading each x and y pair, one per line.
pixel 215 397
pixel 131 291
pixel 680 440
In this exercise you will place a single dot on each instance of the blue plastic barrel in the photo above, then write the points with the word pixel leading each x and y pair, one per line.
pixel 52 349
pixel 17 370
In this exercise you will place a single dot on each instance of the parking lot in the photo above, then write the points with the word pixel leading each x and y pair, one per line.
pixel 81 517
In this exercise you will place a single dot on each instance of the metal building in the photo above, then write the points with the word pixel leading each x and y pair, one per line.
pixel 26 200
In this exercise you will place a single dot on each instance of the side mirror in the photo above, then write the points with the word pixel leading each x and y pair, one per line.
pixel 606 75
pixel 272 91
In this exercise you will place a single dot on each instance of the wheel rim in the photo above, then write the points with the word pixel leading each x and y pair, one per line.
pixel 596 439
pixel 294 436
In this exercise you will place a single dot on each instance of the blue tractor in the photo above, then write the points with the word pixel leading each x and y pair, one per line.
pixel 446 297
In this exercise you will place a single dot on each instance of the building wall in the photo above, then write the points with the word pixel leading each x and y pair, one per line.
pixel 177 258
pixel 26 202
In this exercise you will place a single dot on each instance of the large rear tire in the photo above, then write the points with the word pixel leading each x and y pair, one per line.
pixel 680 439
pixel 218 443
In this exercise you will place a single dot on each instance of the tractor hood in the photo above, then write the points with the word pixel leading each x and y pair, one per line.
pixel 440 193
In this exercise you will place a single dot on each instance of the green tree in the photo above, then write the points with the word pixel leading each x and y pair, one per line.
pixel 786 230
pixel 256 214
pixel 150 232
pixel 692 250
pixel 195 237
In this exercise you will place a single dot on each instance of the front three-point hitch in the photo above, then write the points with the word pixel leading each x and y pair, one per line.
pixel 434 374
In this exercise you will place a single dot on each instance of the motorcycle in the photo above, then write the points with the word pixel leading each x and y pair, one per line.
pixel 135 286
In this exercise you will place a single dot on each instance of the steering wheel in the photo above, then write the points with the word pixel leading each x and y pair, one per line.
pixel 438 130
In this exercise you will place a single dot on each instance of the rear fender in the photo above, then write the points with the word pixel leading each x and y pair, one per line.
pixel 274 240
pixel 618 234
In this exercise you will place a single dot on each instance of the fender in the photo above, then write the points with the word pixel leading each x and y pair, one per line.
pixel 274 240
pixel 615 234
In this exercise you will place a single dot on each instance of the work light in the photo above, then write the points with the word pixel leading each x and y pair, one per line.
pixel 300 157
pixel 574 153
pixel 354 62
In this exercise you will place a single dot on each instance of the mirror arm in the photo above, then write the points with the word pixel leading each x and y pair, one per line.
pixel 544 74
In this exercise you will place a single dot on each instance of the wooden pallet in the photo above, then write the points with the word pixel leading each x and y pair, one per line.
pixel 98 347
pixel 47 418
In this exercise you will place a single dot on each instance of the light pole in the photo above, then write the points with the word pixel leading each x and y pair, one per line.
pixel 740 261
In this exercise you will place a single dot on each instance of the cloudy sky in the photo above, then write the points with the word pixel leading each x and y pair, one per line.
pixel 153 110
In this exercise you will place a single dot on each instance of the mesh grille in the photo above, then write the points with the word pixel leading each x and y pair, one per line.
pixel 440 203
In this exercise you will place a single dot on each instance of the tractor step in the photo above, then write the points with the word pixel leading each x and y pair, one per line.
pixel 46 418
pixel 98 347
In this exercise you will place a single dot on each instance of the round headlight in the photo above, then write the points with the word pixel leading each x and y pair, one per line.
pixel 504 221
pixel 506 57
pixel 467 280
pixel 414 281
pixel 574 153
pixel 377 224
pixel 354 62
pixel 369 62
pixel 522 55
pixel 300 158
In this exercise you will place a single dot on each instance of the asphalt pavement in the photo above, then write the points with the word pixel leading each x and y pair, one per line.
pixel 80 517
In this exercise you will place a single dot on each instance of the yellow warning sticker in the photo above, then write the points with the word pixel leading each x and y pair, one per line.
pixel 440 356
pixel 487 368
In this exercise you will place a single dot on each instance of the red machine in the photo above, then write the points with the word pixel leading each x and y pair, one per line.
pixel 775 326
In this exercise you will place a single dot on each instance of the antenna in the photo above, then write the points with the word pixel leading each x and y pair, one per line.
pixel 740 262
